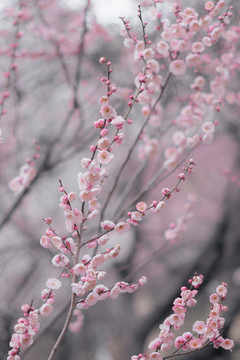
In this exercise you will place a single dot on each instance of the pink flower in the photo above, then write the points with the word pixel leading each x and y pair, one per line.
pixel 141 206
pixel 46 309
pixel 209 5
pixel 160 206
pixel 45 242
pixel 148 54
pixel 16 185
pixel 57 241
pixel 107 225
pixel 108 112
pixel 214 298
pixel 53 283
pixel 80 269
pixel 222 290
pixel 136 216
pixel 103 143
pixel 178 138
pixel 14 357
pixel 199 327
pixel 198 47
pixel 92 299
pixel 78 288
pixel 197 280
pixel 208 127
pixel 180 341
pixel 122 227
pixel 104 157
pixel 155 356
pixel 20 328
pixel 227 344
pixel 118 121
pixel 115 292
pixel 86 195
pixel 195 344
pixel 60 260
pixel 103 239
pixel 129 43
pixel 178 67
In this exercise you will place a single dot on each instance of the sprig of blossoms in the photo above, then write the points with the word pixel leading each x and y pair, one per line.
pixel 27 173
pixel 203 333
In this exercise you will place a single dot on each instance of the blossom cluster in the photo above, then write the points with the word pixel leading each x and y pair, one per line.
pixel 29 325
pixel 27 173
pixel 203 333
pixel 183 48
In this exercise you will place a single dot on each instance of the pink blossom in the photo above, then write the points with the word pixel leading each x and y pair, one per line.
pixel 16 185
pixel 193 60
pixel 53 283
pixel 166 34
pixel 146 111
pixel 148 54
pixel 80 269
pixel 199 327
pixel 103 143
pixel 214 298
pixel 46 309
pixel 108 112
pixel 78 288
pixel 103 239
pixel 207 41
pixel 179 341
pixel 195 343
pixel 208 127
pixel 45 242
pixel 198 47
pixel 209 5
pixel 178 138
pixel 115 292
pixel 222 290
pixel 83 184
pixel 178 67
pixel 207 138
pixel 129 43
pixel 154 65
pixel 20 328
pixel 227 344
pixel 160 206
pixel 194 26
pixel 96 261
pixel 154 344
pixel 92 299
pixel 163 48
pixel 60 260
pixel 104 157
pixel 136 216
pixel 14 357
pixel 86 195
pixel 122 227
pixel 107 225
pixel 197 280
pixel 155 356
pixel 118 121
pixel 57 241
pixel 141 206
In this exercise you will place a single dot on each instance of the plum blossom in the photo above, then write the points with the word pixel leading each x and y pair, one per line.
pixel 104 157
pixel 178 67
pixel 53 283
pixel 122 227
